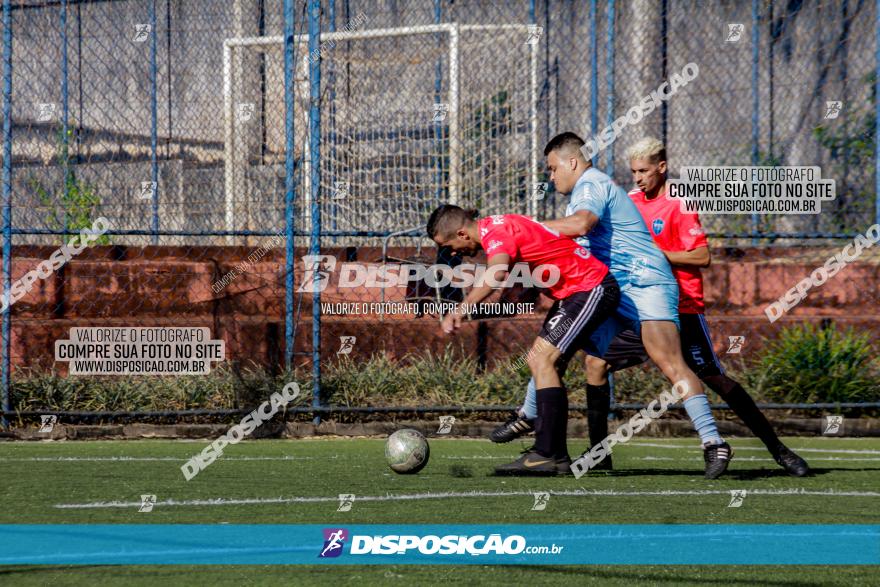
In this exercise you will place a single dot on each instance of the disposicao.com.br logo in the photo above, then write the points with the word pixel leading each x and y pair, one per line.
pixel 393 544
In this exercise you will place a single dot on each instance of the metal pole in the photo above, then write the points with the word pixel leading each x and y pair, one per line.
pixel 533 118
pixel 546 89
pixel 154 122
pixel 454 138
pixel 594 77
pixel 7 201
pixel 609 66
pixel 289 73
pixel 331 79
pixel 65 109
pixel 755 101
pixel 664 52
pixel 315 186
pixel 438 88
pixel 168 55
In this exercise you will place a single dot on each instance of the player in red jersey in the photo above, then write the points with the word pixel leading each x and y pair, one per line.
pixel 585 294
pixel 682 239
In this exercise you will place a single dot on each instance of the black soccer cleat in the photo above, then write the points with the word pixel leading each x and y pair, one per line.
pixel 515 427
pixel 792 463
pixel 717 457
pixel 533 464
pixel 603 465
pixel 563 466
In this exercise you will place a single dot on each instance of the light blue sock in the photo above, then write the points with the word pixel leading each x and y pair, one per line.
pixel 697 408
pixel 529 408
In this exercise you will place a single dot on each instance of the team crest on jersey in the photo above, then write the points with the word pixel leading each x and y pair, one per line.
pixel 657 225
pixel 484 232
pixel 497 219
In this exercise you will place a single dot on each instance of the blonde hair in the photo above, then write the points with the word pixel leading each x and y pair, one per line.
pixel 647 148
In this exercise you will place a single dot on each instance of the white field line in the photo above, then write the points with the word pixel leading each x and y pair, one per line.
pixel 149 459
pixel 767 459
pixel 739 459
pixel 449 457
pixel 696 447
pixel 459 495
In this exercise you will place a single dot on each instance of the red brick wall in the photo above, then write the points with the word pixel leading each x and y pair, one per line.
pixel 164 286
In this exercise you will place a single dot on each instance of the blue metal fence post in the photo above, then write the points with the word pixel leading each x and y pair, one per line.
pixel 877 112
pixel 65 107
pixel 154 122
pixel 664 63
pixel 289 159
pixel 594 76
pixel 7 202
pixel 609 66
pixel 755 100
pixel 315 184
pixel 331 81
pixel 533 16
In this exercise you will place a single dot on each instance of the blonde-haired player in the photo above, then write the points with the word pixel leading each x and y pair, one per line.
pixel 681 238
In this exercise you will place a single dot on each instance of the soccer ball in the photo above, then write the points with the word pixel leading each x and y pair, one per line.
pixel 407 451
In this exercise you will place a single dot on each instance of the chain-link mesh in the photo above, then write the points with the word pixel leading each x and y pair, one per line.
pixel 169 119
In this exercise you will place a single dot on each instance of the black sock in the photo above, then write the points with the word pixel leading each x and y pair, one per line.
pixel 552 422
pixel 598 408
pixel 744 406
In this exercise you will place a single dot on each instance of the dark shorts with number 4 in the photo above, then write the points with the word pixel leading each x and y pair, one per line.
pixel 626 349
pixel 572 320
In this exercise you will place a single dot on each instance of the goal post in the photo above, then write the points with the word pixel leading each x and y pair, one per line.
pixel 410 117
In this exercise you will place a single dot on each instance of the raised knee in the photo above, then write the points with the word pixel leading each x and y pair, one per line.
pixel 597 366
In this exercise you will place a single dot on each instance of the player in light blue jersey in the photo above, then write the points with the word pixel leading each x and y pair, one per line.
pixel 615 232
pixel 619 238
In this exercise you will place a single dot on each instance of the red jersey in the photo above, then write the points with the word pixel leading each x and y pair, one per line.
pixel 674 231
pixel 531 242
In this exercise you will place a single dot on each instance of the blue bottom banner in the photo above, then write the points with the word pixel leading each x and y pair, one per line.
pixel 525 544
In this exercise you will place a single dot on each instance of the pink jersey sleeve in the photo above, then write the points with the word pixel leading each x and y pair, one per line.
pixel 497 237
pixel 690 232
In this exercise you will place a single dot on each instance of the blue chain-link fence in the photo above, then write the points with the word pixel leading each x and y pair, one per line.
pixel 207 132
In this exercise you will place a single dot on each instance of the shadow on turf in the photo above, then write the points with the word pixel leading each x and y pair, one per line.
pixel 739 474
pixel 763 473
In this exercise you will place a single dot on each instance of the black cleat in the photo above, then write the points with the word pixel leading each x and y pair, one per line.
pixel 532 464
pixel 792 463
pixel 563 466
pixel 512 429
pixel 603 465
pixel 717 457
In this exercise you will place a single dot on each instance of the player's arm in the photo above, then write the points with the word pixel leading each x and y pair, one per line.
pixel 698 257
pixel 589 202
pixel 496 273
pixel 690 238
pixel 578 224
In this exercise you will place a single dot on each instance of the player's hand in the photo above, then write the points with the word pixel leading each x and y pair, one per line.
pixel 451 322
